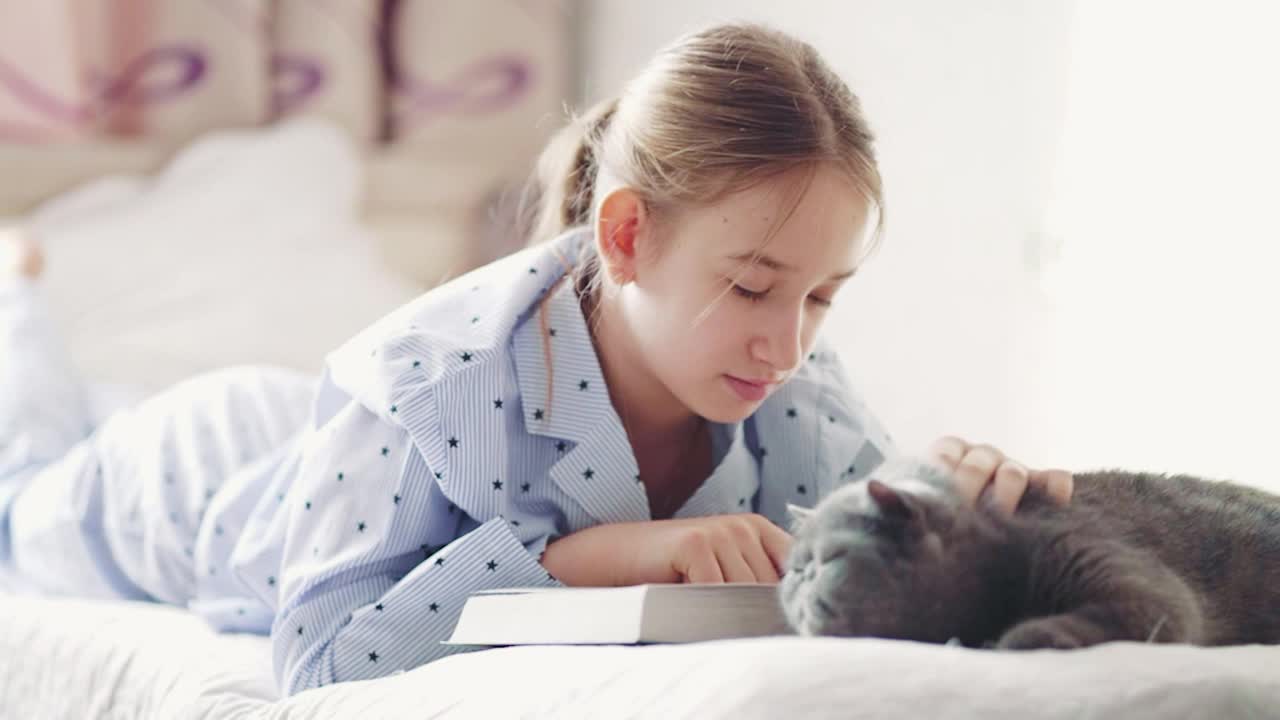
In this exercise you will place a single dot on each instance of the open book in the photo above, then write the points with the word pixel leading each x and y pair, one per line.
pixel 657 613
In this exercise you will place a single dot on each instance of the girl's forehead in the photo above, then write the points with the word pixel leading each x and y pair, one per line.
pixel 824 223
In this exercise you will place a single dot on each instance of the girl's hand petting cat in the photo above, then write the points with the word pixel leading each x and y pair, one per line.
pixel 983 471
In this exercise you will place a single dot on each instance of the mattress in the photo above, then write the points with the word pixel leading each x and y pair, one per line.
pixel 71 658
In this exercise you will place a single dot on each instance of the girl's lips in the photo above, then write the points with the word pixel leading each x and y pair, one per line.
pixel 748 390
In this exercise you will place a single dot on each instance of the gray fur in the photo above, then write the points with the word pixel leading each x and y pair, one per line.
pixel 1135 556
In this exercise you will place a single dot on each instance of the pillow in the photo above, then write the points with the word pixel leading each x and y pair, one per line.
pixel 247 248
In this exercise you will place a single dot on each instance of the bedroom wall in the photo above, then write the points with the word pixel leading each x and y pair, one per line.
pixel 944 331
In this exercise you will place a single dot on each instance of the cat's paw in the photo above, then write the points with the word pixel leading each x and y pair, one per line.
pixel 1058 633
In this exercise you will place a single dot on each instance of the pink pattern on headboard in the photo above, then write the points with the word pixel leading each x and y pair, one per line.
pixel 295 78
pixel 140 82
pixel 487 85
pixel 74 68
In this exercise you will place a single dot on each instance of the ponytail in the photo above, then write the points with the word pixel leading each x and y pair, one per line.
pixel 562 190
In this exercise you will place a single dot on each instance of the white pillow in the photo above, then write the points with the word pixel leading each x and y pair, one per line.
pixel 247 248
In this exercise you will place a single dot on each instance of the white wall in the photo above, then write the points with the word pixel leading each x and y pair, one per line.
pixel 944 329
pixel 1167 312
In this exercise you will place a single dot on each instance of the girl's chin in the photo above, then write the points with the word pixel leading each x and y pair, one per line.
pixel 727 408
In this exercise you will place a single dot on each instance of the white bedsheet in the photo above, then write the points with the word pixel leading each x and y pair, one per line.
pixel 63 658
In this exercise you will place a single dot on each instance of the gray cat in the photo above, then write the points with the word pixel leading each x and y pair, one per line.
pixel 1135 556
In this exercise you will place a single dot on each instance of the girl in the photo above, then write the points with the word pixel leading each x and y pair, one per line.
pixel 633 399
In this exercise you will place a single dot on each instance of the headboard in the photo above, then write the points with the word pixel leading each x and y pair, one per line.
pixel 449 100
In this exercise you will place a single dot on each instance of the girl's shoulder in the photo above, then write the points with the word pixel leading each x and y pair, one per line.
pixel 461 327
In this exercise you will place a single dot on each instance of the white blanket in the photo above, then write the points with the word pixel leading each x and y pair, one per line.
pixel 63 658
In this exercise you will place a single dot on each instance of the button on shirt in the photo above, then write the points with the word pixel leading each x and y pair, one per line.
pixel 444 453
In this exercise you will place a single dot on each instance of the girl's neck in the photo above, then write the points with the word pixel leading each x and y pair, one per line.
pixel 653 417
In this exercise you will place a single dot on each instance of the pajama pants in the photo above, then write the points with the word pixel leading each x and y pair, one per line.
pixel 111 507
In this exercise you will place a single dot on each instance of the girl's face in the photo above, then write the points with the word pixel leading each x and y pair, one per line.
pixel 717 331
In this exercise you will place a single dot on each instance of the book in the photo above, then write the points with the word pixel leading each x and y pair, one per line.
pixel 636 614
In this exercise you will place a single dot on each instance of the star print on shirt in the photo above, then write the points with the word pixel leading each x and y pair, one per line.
pixel 791 412
pixel 492 565
pixel 524 487
pixel 497 404
pixel 373 656
pixel 582 384
pixel 386 451
pixel 560 446
pixel 537 414
pixel 453 442
pixel 434 607
pixel 378 607
pixel 466 357
pixel 588 473
pixel 360 527
pixel 497 484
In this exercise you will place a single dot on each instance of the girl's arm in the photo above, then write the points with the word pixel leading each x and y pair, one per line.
pixel 361 592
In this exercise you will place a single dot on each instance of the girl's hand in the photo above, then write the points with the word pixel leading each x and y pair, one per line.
pixel 742 547
pixel 980 469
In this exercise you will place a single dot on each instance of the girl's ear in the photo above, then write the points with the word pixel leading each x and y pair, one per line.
pixel 799 517
pixel 622 222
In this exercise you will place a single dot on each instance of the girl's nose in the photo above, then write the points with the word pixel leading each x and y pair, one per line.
pixel 779 343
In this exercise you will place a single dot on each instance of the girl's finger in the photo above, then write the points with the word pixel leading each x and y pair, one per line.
pixel 1009 486
pixel 1058 484
pixel 704 568
pixel 975 470
pixel 777 543
pixel 947 451
pixel 762 569
pixel 733 566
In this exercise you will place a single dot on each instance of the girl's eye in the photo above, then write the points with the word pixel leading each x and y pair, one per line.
pixel 821 302
pixel 751 295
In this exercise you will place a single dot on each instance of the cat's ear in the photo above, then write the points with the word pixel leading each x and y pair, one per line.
pixel 892 503
pixel 799 517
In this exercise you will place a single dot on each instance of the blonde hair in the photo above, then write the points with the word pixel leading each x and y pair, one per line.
pixel 716 112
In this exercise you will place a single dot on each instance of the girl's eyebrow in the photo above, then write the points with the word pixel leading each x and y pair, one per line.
pixel 775 264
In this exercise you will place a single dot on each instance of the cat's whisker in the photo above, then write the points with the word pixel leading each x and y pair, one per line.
pixel 1160 623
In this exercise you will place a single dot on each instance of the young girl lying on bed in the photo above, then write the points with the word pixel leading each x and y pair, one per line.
pixel 633 399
